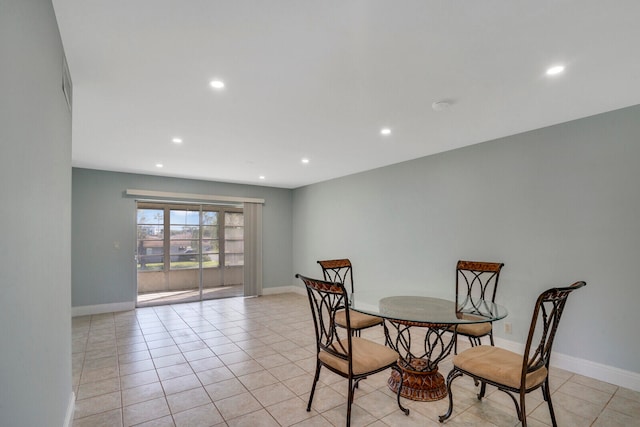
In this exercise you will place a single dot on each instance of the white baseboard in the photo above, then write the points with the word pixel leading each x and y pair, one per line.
pixel 68 419
pixel 86 310
pixel 283 290
pixel 598 371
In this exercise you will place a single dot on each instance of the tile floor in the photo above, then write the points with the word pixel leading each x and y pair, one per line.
pixel 250 361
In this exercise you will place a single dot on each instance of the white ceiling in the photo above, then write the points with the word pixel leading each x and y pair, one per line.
pixel 319 79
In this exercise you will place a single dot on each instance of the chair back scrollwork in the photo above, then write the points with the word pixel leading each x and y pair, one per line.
pixel 327 298
pixel 544 325
pixel 338 270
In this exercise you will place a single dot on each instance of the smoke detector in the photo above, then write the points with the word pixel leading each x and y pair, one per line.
pixel 441 105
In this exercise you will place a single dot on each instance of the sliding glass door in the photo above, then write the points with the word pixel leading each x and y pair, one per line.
pixel 188 252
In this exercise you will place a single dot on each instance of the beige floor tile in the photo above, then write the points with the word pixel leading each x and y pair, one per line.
pixel 158 422
pixel 174 371
pixel 202 353
pixel 585 392
pixel 291 411
pixel 611 418
pixel 257 380
pixel 205 364
pixel 273 360
pixel 164 351
pixel 218 339
pixel 97 404
pixel 133 357
pixel 272 394
pixel 172 359
pixel 201 416
pixel 318 421
pixel 90 376
pixel 145 411
pixel 399 419
pixel 188 399
pixel 137 366
pixel 625 406
pixel 138 379
pixel 132 347
pixel 377 403
pixel 286 372
pixel 102 362
pixel 324 399
pixel 494 413
pixel 223 389
pixel 593 383
pixel 180 384
pixel 467 419
pixel 97 388
pixel 337 416
pixel 566 415
pixel 260 418
pixel 232 357
pixel 111 418
pixel 192 345
pixel 220 350
pixel 245 367
pixel 238 405
pixel 142 393
pixel 214 375
pixel 628 394
pixel 301 384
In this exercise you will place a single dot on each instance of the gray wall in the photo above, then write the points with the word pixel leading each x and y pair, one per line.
pixel 35 207
pixel 103 215
pixel 556 205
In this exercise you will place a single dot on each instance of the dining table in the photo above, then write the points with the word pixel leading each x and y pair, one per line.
pixel 422 330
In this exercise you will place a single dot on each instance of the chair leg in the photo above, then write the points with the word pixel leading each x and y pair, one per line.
pixel 455 343
pixel 452 375
pixel 402 408
pixel 483 390
pixel 523 410
pixel 547 396
pixel 350 401
pixel 313 387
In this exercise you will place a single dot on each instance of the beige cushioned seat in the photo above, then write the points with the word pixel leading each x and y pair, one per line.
pixel 497 365
pixel 475 329
pixel 358 320
pixel 367 356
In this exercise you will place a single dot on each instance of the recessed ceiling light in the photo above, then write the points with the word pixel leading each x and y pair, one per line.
pixel 159 165
pixel 262 177
pixel 177 140
pixel 385 131
pixel 555 70
pixel 305 160
pixel 216 84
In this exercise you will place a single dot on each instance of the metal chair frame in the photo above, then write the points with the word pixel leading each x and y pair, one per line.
pixel 476 279
pixel 325 299
pixel 341 270
pixel 547 313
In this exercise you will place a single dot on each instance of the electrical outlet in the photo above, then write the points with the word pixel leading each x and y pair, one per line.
pixel 507 327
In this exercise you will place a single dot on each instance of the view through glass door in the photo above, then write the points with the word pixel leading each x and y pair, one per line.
pixel 188 252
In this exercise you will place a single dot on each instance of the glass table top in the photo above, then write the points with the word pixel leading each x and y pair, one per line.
pixel 431 310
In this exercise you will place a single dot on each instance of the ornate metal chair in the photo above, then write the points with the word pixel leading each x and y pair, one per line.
pixel 476 279
pixel 340 270
pixel 511 372
pixel 350 357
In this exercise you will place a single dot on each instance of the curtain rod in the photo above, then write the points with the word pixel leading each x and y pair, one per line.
pixel 190 196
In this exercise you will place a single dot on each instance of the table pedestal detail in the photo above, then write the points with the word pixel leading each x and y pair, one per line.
pixel 417 384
